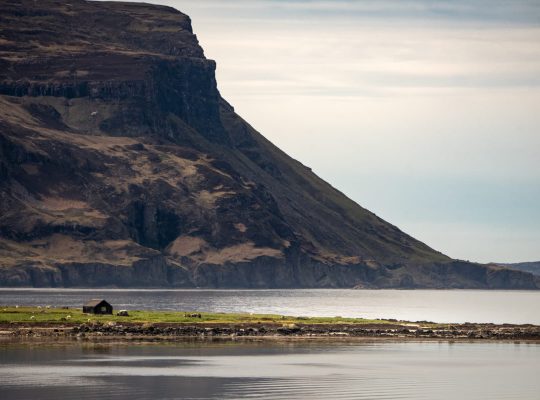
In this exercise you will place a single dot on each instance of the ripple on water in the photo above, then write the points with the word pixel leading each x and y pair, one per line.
pixel 379 370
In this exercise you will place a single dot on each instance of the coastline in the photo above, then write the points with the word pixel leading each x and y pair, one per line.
pixel 36 323
pixel 231 331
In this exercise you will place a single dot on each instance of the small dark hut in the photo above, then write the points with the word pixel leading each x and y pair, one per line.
pixel 97 306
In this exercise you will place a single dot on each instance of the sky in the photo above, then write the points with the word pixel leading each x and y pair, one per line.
pixel 425 112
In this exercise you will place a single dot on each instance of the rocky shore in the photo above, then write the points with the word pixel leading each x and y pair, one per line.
pixel 111 330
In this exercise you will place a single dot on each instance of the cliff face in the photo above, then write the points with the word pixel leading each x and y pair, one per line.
pixel 121 165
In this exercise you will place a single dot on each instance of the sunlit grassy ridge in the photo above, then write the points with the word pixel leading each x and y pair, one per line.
pixel 76 316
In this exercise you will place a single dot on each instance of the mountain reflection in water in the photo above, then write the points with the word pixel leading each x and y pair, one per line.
pixel 268 370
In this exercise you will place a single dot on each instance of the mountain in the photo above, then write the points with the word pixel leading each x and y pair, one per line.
pixel 532 267
pixel 122 165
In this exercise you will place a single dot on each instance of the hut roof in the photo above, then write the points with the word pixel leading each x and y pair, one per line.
pixel 94 302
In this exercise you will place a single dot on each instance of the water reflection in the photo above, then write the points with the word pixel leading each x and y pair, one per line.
pixel 373 370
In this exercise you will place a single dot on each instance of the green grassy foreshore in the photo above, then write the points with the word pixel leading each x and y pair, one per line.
pixel 63 316
pixel 38 322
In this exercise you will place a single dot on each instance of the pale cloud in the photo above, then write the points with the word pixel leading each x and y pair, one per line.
pixel 360 59
pixel 488 11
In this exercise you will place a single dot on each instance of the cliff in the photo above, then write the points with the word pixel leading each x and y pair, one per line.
pixel 122 165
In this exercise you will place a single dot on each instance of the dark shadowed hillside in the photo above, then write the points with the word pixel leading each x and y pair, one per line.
pixel 121 165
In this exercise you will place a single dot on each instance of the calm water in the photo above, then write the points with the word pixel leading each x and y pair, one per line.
pixel 411 305
pixel 381 370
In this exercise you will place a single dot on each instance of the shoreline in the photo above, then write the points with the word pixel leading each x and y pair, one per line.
pixel 35 323
pixel 233 331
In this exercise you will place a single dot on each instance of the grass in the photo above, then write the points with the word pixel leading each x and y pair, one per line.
pixel 76 316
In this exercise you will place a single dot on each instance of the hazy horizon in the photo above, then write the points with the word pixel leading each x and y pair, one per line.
pixel 424 112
